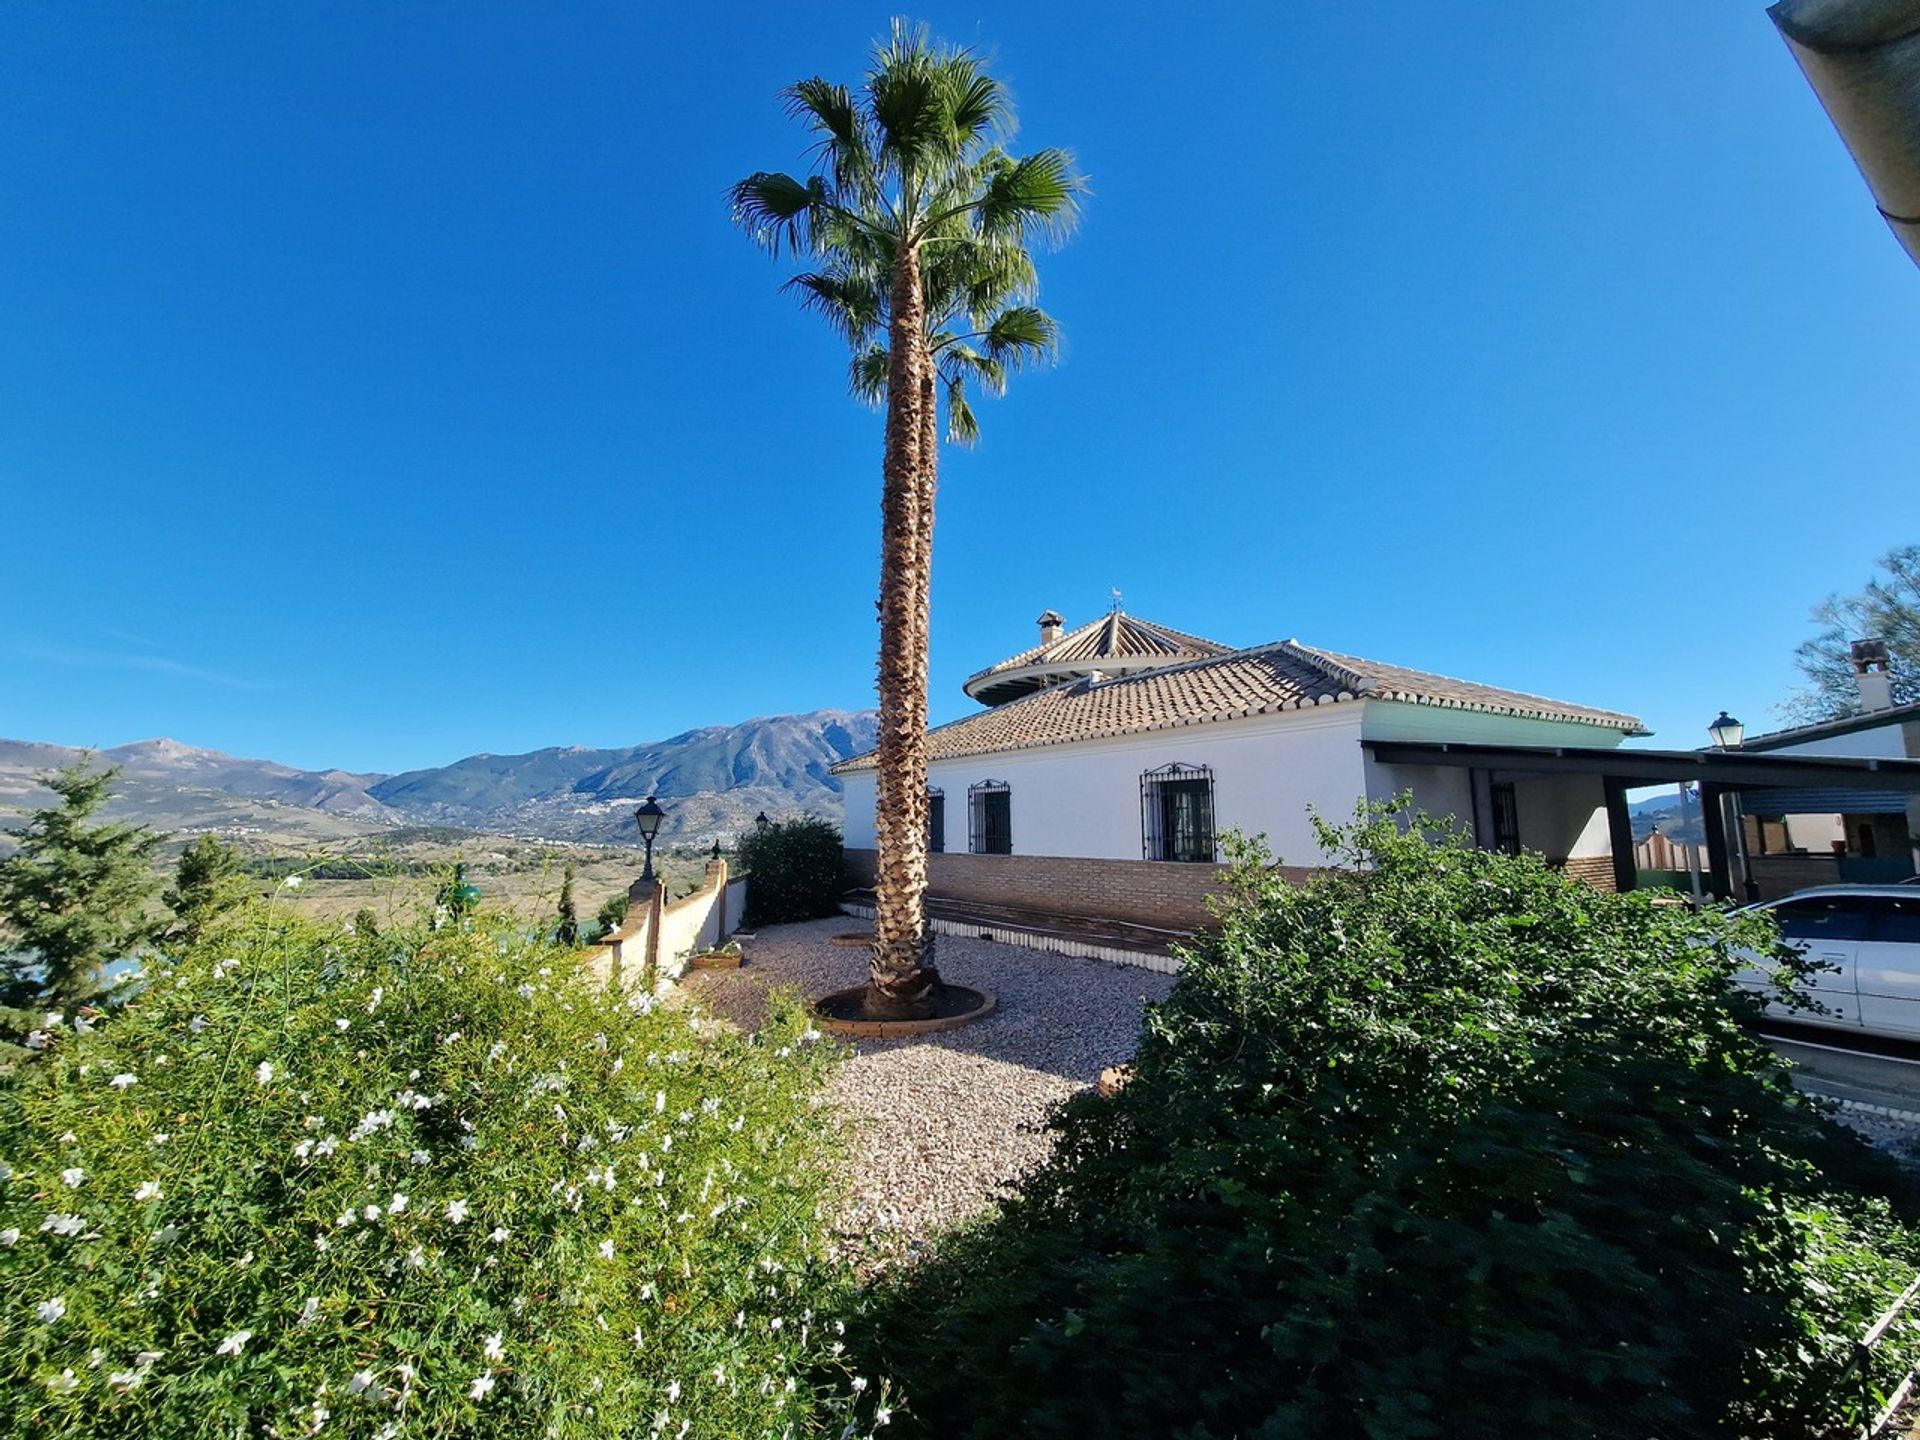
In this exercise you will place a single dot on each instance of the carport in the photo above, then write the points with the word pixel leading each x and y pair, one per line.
pixel 1718 773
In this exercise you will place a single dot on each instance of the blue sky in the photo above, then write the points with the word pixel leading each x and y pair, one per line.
pixel 385 383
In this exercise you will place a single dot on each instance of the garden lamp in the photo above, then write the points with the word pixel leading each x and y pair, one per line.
pixel 648 818
pixel 760 821
pixel 1727 732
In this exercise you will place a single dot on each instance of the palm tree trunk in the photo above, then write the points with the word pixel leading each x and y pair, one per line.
pixel 901 981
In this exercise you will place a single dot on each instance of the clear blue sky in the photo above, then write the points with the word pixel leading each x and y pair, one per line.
pixel 384 382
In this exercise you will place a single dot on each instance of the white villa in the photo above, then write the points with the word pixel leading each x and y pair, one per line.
pixel 1109 759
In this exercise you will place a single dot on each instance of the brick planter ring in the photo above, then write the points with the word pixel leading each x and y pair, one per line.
pixel 980 1004
pixel 859 940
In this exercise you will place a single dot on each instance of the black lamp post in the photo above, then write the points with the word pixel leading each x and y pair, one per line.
pixel 760 821
pixel 1727 734
pixel 648 818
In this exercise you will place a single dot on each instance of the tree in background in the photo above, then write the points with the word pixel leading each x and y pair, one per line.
pixel 73 898
pixel 568 930
pixel 912 185
pixel 207 884
pixel 1887 609
pixel 611 916
pixel 796 870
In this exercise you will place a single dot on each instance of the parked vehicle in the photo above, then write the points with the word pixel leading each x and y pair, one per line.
pixel 1867 939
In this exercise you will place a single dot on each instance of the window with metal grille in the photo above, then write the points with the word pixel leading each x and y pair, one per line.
pixel 1506 817
pixel 1176 813
pixel 936 820
pixel 990 818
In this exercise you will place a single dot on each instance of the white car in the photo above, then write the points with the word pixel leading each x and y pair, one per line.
pixel 1870 936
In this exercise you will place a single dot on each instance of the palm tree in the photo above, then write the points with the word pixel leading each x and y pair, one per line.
pixel 919 221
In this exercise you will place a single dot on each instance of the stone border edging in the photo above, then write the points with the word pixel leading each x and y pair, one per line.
pixel 899 1029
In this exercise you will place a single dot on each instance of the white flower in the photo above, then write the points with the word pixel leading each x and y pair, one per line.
pixel 73 1177
pixel 263 1072
pixel 327 1146
pixel 10 1236
pixel 859 1383
pixel 37 1040
pixel 606 1249
pixel 309 1312
pixel 303 1150
pixel 372 1212
pixel 397 1204
pixel 149 1190
pixel 292 882
pixel 456 1210
pixel 373 1004
pixel 82 1025
pixel 482 1385
pixel 55 1019
pixel 342 1024
pixel 882 1415
pixel 499 1235
pixel 639 1339
pixel 234 1343
pixel 65 1381
pixel 659 1101
pixel 673 1392
pixel 49 1311
pixel 125 1080
pixel 416 1257
pixel 197 1024
pixel 494 1351
pixel 362 1380
pixel 419 1157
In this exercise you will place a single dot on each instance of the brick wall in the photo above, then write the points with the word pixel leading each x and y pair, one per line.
pixel 1166 894
pixel 1596 870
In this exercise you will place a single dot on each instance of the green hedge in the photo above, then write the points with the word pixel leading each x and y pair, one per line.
pixel 1443 1144
pixel 429 1183
pixel 795 871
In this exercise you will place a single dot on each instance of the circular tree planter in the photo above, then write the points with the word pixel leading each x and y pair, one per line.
pixel 859 940
pixel 954 1006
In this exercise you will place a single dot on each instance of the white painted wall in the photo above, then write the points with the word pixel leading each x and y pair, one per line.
pixel 1882 742
pixel 1083 799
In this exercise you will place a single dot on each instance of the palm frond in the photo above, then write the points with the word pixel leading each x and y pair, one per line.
pixel 867 375
pixel 1036 194
pixel 958 360
pixel 774 208
pixel 843 146
pixel 962 427
pixel 1021 335
pixel 847 302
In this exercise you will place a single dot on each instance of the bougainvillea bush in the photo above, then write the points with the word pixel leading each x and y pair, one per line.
pixel 1442 1144
pixel 306 1182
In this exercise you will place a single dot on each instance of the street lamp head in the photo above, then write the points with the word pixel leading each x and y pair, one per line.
pixel 761 821
pixel 1726 731
pixel 648 818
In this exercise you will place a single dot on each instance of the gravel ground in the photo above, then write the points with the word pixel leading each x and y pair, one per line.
pixel 939 1125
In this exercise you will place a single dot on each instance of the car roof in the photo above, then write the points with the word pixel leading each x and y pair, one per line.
pixel 1896 890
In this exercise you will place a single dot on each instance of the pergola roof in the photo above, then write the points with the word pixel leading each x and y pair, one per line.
pixel 1728 769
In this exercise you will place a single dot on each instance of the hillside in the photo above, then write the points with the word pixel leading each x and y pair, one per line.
pixel 713 782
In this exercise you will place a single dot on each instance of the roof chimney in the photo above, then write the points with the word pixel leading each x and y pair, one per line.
pixel 1050 624
pixel 1871 672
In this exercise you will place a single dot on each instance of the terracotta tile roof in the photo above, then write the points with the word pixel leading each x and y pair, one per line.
pixel 1283 676
pixel 1116 641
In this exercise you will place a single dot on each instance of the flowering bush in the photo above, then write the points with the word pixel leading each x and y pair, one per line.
pixel 426 1184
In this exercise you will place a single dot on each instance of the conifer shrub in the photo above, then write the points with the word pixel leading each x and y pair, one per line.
pixel 429 1182
pixel 795 870
pixel 1441 1144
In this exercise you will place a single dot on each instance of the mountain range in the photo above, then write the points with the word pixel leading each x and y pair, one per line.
pixel 713 781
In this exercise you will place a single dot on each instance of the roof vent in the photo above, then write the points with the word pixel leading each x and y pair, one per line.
pixel 1872 671
pixel 1051 624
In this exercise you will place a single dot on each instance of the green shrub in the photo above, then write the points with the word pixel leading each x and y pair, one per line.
pixel 425 1183
pixel 1444 1144
pixel 795 871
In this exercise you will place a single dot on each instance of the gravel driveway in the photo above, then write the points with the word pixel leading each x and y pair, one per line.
pixel 938 1125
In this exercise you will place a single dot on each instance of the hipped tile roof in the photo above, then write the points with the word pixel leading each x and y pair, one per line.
pixel 1117 641
pixel 1285 675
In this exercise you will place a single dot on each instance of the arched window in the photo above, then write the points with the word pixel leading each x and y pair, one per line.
pixel 1176 813
pixel 990 818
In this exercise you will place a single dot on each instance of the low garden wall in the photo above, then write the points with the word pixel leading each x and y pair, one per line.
pixel 695 922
